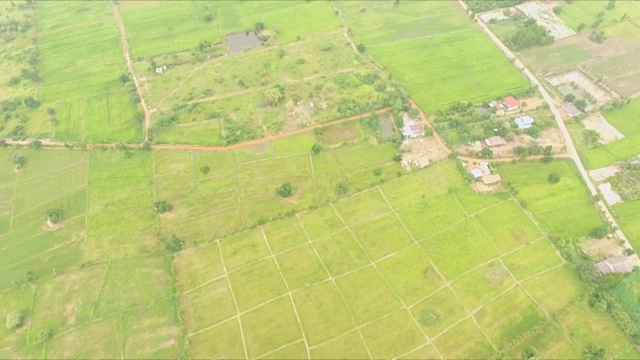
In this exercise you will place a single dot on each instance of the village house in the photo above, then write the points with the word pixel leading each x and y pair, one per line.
pixel 491 179
pixel 160 70
pixel 412 130
pixel 615 264
pixel 495 141
pixel 571 109
pixel 524 122
pixel 510 103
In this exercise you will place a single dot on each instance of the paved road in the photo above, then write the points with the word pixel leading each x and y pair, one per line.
pixel 571 149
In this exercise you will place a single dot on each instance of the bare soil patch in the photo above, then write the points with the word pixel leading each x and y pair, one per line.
pixel 608 133
pixel 582 82
pixel 340 133
pixel 479 188
pixel 297 116
pixel 605 247
pixel 422 151
pixel 604 173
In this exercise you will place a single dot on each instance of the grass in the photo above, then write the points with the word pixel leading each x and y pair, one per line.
pixel 483 284
pixel 438 312
pixel 627 216
pixel 587 12
pixel 562 282
pixel 549 203
pixel 391 335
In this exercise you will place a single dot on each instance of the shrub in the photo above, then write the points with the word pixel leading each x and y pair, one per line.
pixel 316 148
pixel 554 178
pixel 397 157
pixel 31 102
pixel 54 216
pixel 162 207
pixel 14 320
pixel 18 159
pixel 342 188
pixel 285 190
pixel 629 252
pixel 44 335
pixel 259 26
pixel 204 170
pixel 557 10
pixel 599 232
pixel 361 48
pixel 173 244
pixel 413 113
pixel 377 171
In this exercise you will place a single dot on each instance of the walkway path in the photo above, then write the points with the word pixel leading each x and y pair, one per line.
pixel 125 51
pixel 573 153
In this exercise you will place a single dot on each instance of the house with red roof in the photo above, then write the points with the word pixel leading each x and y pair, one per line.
pixel 511 103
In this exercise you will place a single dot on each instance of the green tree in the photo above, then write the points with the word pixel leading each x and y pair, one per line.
pixel 162 207
pixel 557 10
pixel 204 169
pixel 18 159
pixel 361 48
pixel 173 244
pixel 593 352
pixel 31 102
pixel 342 188
pixel 285 190
pixel 599 232
pixel 554 178
pixel 377 171
pixel 486 153
pixel 316 148
pixel 272 96
pixel 54 216
pixel 530 353
pixel 44 335
pixel 14 320
pixel 259 26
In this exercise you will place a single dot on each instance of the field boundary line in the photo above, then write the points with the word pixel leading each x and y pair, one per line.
pixel 546 313
pixel 493 242
pixel 420 37
pixel 448 283
pixel 58 196
pixel 33 304
pixel 155 189
pixel 33 236
pixel 104 281
pixel 401 356
pixel 278 349
pixel 203 285
pixel 84 118
pixel 121 337
pixel 335 285
pixel 38 254
pixel 313 177
pixel 235 302
pixel 381 275
pixel 238 195
pixel 86 211
pixel 286 284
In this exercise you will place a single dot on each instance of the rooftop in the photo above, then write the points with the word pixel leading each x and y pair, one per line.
pixel 511 102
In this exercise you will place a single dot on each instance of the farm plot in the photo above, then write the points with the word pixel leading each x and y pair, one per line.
pixel 225 100
pixel 446 69
pixel 43 215
pixel 586 13
pixel 628 216
pixel 439 57
pixel 625 120
pixel 563 209
pixel 81 62
pixel 343 276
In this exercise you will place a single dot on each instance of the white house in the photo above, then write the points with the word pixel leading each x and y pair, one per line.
pixel 524 122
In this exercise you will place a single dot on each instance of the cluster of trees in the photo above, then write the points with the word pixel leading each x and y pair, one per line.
pixel 236 131
pixel 531 34
pixel 285 190
pixel 54 216
pixel 173 243
pixel 14 320
pixel 478 6
pixel 18 160
pixel 579 103
pixel 162 207
pixel 627 181
pixel 11 28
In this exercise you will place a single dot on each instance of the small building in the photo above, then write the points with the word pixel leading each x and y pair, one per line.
pixel 412 130
pixel 491 179
pixel 477 173
pixel 510 103
pixel 571 109
pixel 495 141
pixel 616 264
pixel 160 70
pixel 524 122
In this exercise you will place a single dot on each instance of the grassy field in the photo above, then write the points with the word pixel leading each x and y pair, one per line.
pixel 628 214
pixel 586 12
pixel 81 62
pixel 321 79
pixel 436 50
pixel 175 26
pixel 627 121
pixel 563 209
pixel 305 282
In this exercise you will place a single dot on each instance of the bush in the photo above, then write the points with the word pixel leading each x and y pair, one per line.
pixel 54 216
pixel 31 102
pixel 361 48
pixel 18 159
pixel 342 188
pixel 316 148
pixel 204 170
pixel 629 252
pixel 14 320
pixel 554 178
pixel 44 335
pixel 285 190
pixel 599 232
pixel 173 244
pixel 162 207
pixel 397 157
pixel 557 10
pixel 377 171
pixel 413 113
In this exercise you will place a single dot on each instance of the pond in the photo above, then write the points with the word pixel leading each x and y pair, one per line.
pixel 240 41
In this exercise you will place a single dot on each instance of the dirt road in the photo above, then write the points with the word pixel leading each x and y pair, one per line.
pixel 573 153
pixel 125 51
pixel 61 144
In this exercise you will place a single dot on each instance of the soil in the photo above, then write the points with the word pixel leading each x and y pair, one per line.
pixel 608 133
pixel 340 133
pixel 481 188
pixel 606 247
pixel 604 173
pixel 419 149
pixel 583 82
pixel 49 226
pixel 297 116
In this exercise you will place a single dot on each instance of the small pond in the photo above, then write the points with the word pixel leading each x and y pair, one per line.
pixel 240 41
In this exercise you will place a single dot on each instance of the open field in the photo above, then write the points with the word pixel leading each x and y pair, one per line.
pixel 175 26
pixel 320 79
pixel 437 52
pixel 627 121
pixel 563 209
pixel 81 62
pixel 628 216
pixel 419 284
